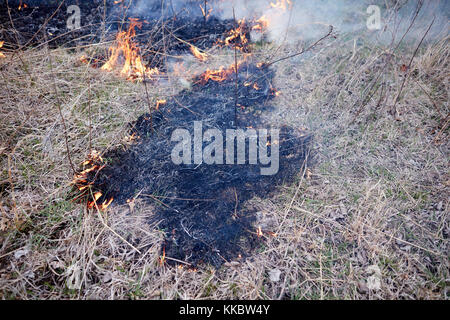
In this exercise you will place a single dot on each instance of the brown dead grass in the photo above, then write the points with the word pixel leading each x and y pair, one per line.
pixel 368 220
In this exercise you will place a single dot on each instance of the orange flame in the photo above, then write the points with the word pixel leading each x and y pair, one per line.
pixel 218 75
pixel 205 14
pixel 160 103
pixel 199 55
pixel 163 258
pixel 93 163
pixel 125 48
pixel 259 232
pixel 22 6
pixel 234 34
pixel 282 5
pixel 1 45
pixel 261 24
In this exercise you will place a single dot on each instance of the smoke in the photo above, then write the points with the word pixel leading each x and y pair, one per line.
pixel 303 20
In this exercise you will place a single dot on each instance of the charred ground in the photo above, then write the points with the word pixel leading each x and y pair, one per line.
pixel 202 207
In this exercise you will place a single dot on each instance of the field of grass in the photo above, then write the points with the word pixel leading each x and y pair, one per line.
pixel 367 219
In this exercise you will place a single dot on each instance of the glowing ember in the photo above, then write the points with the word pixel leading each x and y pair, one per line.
pixel 199 55
pixel 125 48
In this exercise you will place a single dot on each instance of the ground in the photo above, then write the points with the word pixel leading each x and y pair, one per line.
pixel 367 218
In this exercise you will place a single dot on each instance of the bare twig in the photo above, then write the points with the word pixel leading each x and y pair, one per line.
pixel 236 78
pixel 409 66
pixel 59 103
pixel 302 51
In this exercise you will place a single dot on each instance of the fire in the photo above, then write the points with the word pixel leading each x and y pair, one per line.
pixel 220 74
pixel 234 35
pixel 1 45
pixel 205 14
pixel 199 55
pixel 80 181
pixel 22 6
pixel 261 24
pixel 282 5
pixel 130 139
pixel 126 48
pixel 160 103
pixel 259 232
pixel 163 257
pixel 275 92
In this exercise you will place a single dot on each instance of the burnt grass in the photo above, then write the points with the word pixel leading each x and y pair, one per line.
pixel 202 208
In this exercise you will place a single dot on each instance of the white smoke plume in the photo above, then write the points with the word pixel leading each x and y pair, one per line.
pixel 309 19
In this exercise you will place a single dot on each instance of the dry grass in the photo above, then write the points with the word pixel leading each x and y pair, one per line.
pixel 368 220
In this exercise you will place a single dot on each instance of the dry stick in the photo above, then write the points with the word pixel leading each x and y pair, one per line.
pixel 173 10
pixel 409 66
pixel 418 8
pixel 374 82
pixel 164 33
pixel 104 21
pixel 18 42
pixel 268 64
pixel 148 100
pixel 236 78
pixel 90 117
pixel 446 122
pixel 429 97
pixel 286 32
pixel 58 102
pixel 204 12
pixel 16 215
pixel 302 51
